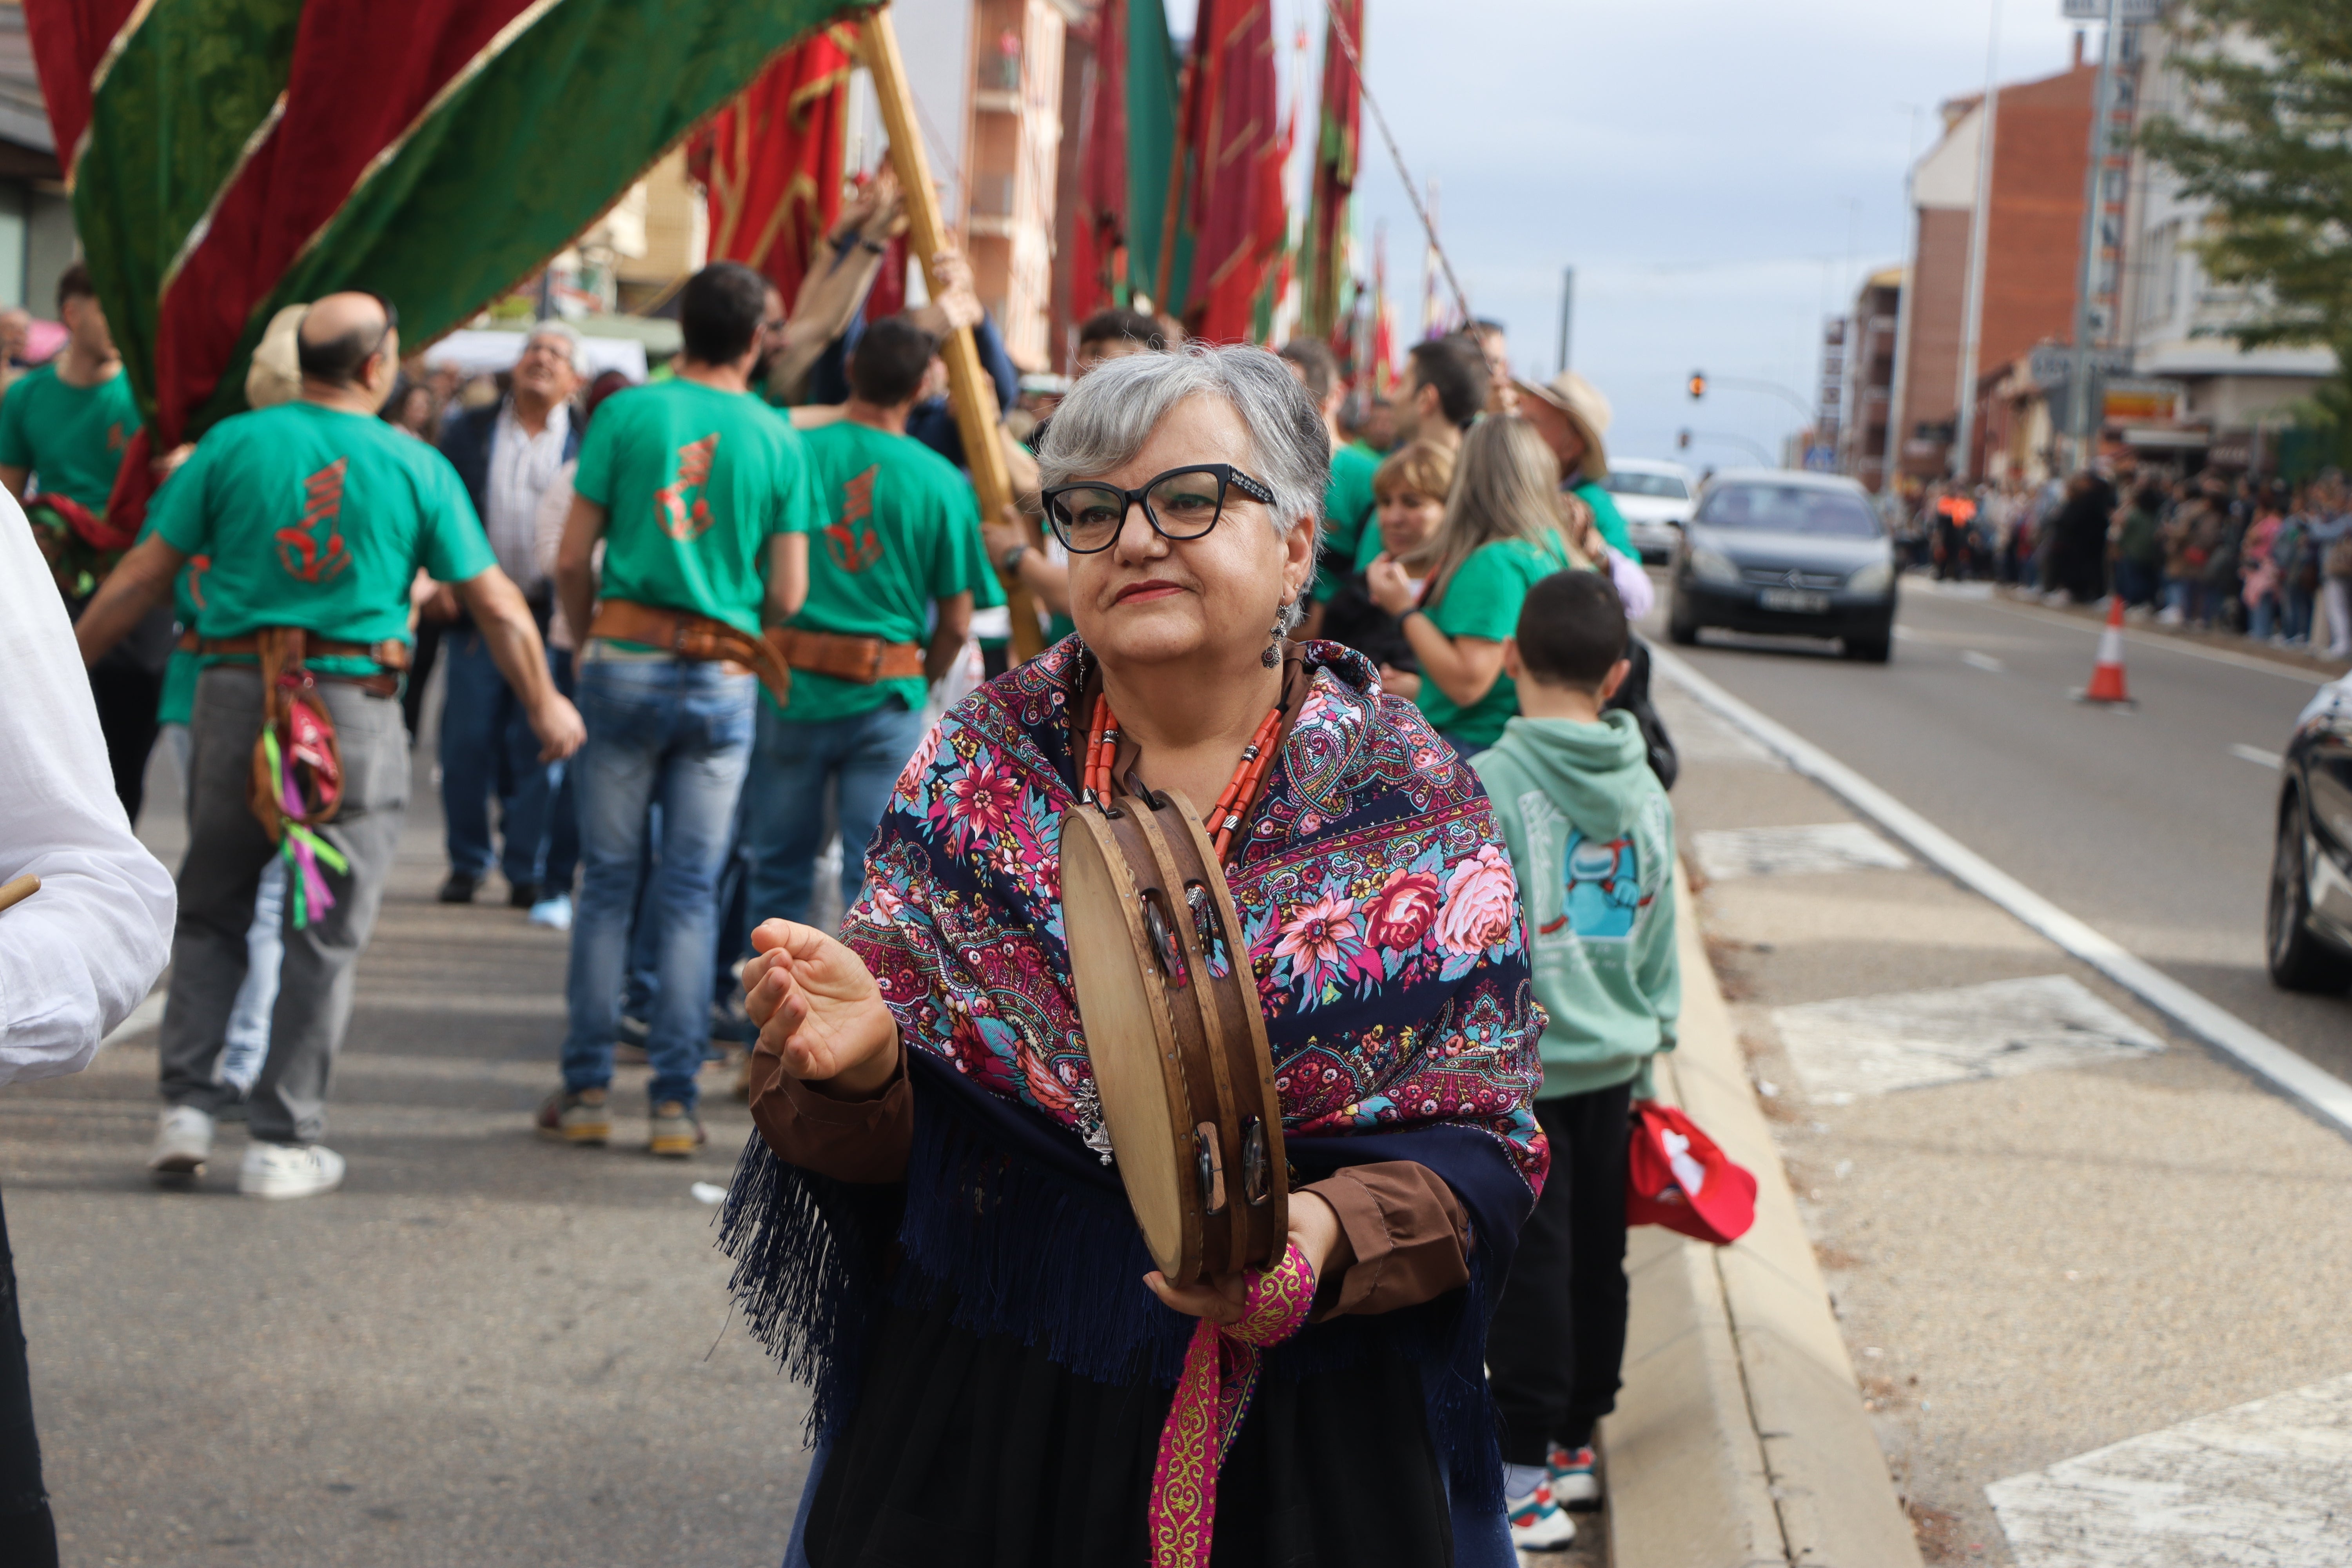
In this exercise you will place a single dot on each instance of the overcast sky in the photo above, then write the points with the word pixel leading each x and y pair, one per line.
pixel 1718 171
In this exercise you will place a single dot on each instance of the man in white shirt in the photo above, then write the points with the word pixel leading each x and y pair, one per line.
pixel 507 454
pixel 75 957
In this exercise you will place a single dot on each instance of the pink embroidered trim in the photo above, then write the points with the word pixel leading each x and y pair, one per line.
pixel 1220 1375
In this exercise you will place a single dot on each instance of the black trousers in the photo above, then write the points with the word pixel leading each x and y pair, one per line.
pixel 127 685
pixel 27 1538
pixel 1558 1340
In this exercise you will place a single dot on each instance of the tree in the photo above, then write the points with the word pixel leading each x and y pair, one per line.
pixel 2266 138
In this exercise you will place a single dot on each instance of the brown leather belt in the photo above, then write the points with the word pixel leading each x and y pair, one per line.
pixel 392 654
pixel 699 637
pixel 861 661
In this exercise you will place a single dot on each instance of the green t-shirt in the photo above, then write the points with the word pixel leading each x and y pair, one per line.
pixel 693 481
pixel 315 518
pixel 72 437
pixel 1482 600
pixel 1348 507
pixel 1607 518
pixel 901 529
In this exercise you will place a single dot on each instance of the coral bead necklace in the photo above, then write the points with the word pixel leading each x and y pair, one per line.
pixel 1225 819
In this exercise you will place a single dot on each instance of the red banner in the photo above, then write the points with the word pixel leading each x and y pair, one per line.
pixel 1233 146
pixel 770 162
pixel 1335 172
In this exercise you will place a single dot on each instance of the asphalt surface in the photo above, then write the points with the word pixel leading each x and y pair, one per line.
pixel 2153 825
pixel 485 1350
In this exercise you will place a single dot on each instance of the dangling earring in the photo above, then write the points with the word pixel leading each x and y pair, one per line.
pixel 1273 654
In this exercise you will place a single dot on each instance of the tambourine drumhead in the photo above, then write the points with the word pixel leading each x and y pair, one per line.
pixel 1101 921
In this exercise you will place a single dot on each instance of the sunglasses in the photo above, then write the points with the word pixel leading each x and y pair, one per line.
pixel 1181 504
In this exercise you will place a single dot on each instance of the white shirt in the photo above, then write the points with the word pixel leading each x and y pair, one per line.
pixel 79 955
pixel 521 468
pixel 547 539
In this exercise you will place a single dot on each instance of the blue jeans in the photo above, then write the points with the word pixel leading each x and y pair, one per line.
pixel 784 817
pixel 679 734
pixel 487 747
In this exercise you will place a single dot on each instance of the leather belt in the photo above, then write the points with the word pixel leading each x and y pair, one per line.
pixel 392 654
pixel 861 661
pixel 694 637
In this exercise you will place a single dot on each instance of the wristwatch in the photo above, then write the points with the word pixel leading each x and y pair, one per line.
pixel 1012 561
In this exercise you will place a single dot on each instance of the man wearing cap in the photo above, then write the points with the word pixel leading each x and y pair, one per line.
pixel 506 453
pixel 316 516
pixel 1572 415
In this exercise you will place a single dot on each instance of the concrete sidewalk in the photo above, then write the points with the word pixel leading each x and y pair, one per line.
pixel 485 1350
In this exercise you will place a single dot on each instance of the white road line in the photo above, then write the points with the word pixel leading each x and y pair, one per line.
pixel 1983 661
pixel 2145 639
pixel 2327 1096
pixel 2270 760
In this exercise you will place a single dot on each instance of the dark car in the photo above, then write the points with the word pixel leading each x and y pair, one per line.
pixel 1781 552
pixel 2308 929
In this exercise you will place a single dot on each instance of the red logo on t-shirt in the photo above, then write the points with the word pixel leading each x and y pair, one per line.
pixel 198 566
pixel 679 519
pixel 852 548
pixel 313 551
pixel 115 439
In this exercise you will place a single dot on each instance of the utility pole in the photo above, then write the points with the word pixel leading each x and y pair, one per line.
pixel 2079 417
pixel 1980 227
pixel 1567 311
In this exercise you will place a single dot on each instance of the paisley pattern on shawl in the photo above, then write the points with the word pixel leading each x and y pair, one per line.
pixel 1375 896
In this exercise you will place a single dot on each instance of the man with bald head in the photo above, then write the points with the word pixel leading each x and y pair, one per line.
pixel 311 518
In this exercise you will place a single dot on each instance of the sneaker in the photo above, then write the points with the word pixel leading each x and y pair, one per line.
pixel 458 888
pixel 184 1142
pixel 1539 1524
pixel 1573 1485
pixel 553 912
pixel 523 895
pixel 675 1134
pixel 581 1118
pixel 290 1171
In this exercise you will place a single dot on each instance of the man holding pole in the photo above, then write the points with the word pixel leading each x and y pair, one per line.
pixel 316 516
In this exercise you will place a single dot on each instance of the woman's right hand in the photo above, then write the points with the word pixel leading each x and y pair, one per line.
pixel 1386 580
pixel 819 1011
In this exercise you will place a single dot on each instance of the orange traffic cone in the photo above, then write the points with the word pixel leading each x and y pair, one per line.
pixel 2107 674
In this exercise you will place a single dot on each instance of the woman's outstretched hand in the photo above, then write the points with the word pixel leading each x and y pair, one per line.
pixel 820 1011
pixel 1314 1230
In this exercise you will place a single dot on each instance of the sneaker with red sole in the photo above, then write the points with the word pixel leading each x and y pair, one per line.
pixel 1573 1485
pixel 1539 1524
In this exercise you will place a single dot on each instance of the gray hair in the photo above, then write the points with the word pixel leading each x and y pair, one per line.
pixel 574 350
pixel 1114 409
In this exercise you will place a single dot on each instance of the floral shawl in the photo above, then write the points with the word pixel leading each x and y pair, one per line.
pixel 1384 926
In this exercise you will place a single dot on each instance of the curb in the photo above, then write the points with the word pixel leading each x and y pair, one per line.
pixel 1739 1440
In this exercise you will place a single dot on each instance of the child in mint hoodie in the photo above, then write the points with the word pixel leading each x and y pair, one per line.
pixel 1592 841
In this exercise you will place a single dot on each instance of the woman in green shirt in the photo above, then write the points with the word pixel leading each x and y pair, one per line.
pixel 1507 527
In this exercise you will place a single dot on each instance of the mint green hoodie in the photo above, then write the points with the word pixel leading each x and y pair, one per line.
pixel 1593 843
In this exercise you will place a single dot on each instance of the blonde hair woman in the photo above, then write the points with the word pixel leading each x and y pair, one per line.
pixel 1507 527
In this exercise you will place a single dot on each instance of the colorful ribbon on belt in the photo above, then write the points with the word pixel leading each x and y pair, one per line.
pixel 303 849
pixel 1220 1375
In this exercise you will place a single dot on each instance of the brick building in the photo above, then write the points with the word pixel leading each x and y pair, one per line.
pixel 2033 243
pixel 1868 394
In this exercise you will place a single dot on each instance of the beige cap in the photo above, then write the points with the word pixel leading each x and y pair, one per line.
pixel 275 376
pixel 1586 409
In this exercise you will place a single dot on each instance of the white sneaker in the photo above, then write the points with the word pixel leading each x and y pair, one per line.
pixel 184 1142
pixel 1539 1524
pixel 554 911
pixel 290 1171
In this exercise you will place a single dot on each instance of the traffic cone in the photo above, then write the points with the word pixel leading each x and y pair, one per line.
pixel 2106 686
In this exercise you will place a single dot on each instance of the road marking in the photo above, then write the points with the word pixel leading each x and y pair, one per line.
pixel 1700 736
pixel 1916 1040
pixel 2260 1483
pixel 2152 640
pixel 2270 760
pixel 2327 1096
pixel 1725 854
pixel 1983 661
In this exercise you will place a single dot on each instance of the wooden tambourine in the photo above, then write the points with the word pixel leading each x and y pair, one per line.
pixel 1178 1048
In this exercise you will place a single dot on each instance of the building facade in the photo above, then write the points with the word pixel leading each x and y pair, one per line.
pixel 1866 402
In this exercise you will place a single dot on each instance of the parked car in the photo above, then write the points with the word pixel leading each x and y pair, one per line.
pixel 1656 499
pixel 1776 551
pixel 2309 924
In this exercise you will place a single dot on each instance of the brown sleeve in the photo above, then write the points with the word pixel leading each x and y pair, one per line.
pixel 1404 1238
pixel 848 1140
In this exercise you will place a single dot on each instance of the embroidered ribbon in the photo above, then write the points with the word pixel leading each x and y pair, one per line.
pixel 1220 1375
pixel 303 849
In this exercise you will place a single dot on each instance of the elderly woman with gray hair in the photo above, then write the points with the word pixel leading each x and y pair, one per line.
pixel 924 1229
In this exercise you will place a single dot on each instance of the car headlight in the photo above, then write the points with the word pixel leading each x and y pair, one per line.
pixel 1712 565
pixel 1874 578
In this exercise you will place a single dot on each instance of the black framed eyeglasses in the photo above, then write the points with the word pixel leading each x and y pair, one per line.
pixel 1182 503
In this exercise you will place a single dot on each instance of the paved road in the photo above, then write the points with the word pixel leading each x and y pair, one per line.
pixel 485 1350
pixel 2153 825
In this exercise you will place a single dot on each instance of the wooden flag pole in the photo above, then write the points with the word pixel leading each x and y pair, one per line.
pixel 969 391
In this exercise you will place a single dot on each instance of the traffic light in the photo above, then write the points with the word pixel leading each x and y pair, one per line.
pixel 1697 384
pixel 1682 439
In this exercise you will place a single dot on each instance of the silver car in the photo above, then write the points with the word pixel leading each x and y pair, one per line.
pixel 1656 500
